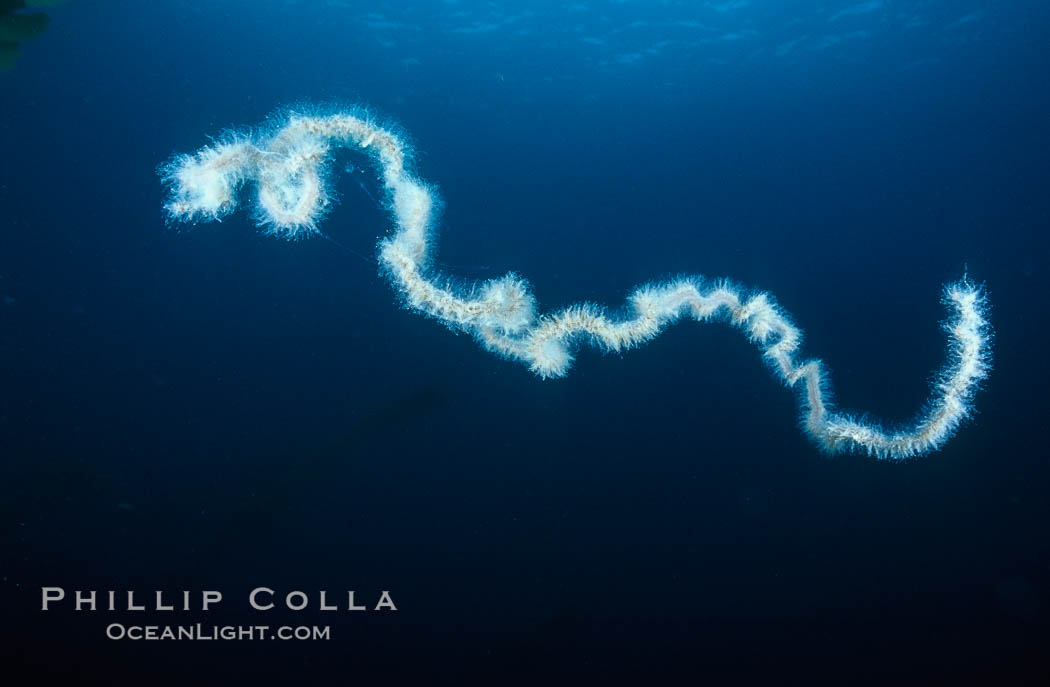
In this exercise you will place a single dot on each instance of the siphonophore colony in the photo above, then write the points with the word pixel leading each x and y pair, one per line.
pixel 287 167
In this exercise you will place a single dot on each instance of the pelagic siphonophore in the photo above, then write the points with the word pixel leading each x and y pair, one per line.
pixel 287 164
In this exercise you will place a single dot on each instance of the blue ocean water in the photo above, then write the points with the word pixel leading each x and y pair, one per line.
pixel 211 408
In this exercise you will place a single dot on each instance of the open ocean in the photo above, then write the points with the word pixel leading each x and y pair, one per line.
pixel 208 408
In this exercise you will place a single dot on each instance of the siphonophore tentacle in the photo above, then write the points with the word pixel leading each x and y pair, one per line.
pixel 287 167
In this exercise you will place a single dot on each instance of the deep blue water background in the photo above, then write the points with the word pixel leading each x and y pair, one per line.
pixel 211 408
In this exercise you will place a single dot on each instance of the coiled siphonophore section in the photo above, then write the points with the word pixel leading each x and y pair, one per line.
pixel 287 166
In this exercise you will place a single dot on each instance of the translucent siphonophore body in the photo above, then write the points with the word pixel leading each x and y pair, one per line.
pixel 287 165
